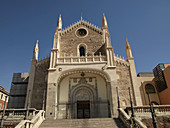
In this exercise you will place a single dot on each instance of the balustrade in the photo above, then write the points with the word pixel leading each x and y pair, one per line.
pixel 145 110
pixel 34 123
pixel 17 113
pixel 128 121
pixel 82 59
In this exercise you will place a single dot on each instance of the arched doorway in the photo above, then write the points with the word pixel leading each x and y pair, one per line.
pixel 82 98
pixel 83 94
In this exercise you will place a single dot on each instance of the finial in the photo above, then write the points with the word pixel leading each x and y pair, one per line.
pixel 104 22
pixel 128 50
pixel 36 45
pixel 127 44
pixel 35 52
pixel 59 23
pixel 37 42
pixel 126 39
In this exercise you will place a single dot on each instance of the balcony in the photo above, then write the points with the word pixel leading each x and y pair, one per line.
pixel 81 60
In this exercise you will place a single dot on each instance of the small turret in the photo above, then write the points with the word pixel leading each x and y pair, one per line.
pixel 35 52
pixel 128 50
pixel 104 22
pixel 135 88
pixel 34 60
pixel 59 23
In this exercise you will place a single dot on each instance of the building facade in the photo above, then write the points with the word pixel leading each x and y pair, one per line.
pixel 162 73
pixel 157 84
pixel 4 95
pixel 146 82
pixel 18 90
pixel 80 78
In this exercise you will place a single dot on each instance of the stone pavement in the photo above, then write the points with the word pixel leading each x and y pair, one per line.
pixel 83 123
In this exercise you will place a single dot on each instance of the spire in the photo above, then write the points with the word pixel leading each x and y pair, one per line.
pixel 35 52
pixel 104 22
pixel 59 23
pixel 128 50
pixel 127 44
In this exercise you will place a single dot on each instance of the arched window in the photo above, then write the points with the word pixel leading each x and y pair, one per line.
pixel 149 88
pixel 82 51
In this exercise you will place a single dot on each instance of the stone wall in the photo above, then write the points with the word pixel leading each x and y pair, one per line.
pixel 123 81
pixel 40 83
pixel 162 121
pixel 70 41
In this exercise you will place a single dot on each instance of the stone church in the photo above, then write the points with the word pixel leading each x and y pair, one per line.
pixel 82 74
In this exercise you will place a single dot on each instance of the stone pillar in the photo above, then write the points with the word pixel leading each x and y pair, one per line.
pixel 135 87
pixel 110 61
pixel 53 58
pixel 30 82
pixel 112 84
pixel 51 95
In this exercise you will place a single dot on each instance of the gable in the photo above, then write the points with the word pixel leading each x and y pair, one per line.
pixel 80 34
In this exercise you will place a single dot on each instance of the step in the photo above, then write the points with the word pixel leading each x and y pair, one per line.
pixel 82 123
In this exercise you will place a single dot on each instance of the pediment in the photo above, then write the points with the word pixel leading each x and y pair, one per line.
pixel 81 23
pixel 81 33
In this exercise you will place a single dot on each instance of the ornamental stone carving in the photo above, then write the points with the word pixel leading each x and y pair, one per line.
pixel 82 95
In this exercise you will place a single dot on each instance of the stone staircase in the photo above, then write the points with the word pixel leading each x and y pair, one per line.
pixel 83 123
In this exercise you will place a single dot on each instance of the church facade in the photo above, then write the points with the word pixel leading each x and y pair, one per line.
pixel 81 77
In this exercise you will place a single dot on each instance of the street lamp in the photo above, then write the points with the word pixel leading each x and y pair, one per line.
pixel 132 110
pixel 152 112
pixel 131 104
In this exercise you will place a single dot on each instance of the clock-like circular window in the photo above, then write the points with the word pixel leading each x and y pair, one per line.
pixel 81 32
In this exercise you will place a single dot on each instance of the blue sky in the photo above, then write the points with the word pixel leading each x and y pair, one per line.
pixel 146 24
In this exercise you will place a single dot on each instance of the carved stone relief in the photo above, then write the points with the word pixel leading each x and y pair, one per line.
pixel 83 95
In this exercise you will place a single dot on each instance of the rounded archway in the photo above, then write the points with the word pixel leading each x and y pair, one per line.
pixel 82 99
pixel 66 73
pixel 83 94
pixel 149 88
pixel 81 49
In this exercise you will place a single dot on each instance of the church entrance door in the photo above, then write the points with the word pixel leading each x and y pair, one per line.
pixel 83 109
